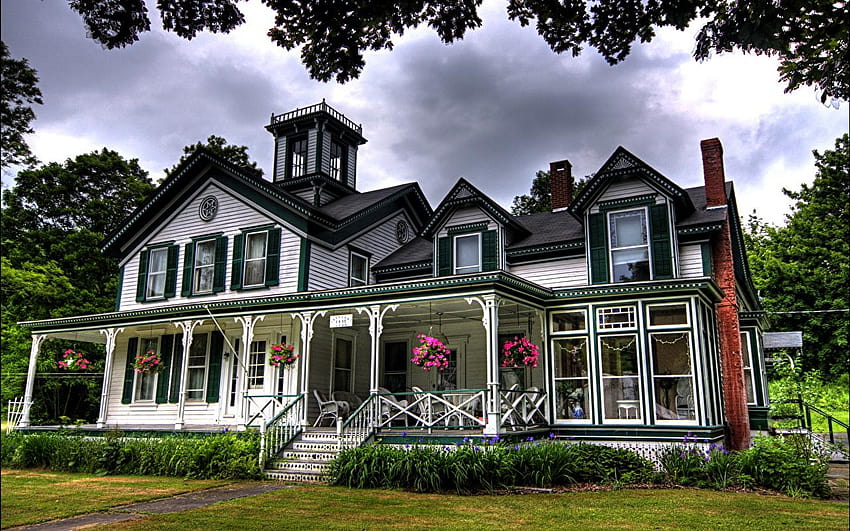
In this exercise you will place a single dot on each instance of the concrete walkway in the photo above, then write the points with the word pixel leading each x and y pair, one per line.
pixel 174 504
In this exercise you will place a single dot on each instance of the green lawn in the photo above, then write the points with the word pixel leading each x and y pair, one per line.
pixel 31 496
pixel 320 507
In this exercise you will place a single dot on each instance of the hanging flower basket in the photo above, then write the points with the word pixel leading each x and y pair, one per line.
pixel 430 354
pixel 72 360
pixel 148 363
pixel 282 355
pixel 519 352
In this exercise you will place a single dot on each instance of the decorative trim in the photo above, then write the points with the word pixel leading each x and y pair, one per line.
pixel 576 244
pixel 426 265
pixel 469 227
pixel 699 229
pixel 646 199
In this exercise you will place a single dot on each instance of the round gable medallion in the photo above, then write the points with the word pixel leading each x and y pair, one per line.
pixel 402 232
pixel 208 208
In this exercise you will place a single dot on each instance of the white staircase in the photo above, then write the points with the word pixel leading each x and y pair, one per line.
pixel 306 459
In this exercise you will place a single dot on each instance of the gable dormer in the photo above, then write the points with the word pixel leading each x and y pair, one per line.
pixel 629 212
pixel 316 153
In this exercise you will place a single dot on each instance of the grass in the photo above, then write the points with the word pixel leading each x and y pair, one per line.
pixel 322 507
pixel 32 496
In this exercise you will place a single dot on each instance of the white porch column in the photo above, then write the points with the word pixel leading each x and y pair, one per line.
pixel 307 320
pixel 111 335
pixel 490 320
pixel 187 327
pixel 37 340
pixel 248 323
pixel 376 328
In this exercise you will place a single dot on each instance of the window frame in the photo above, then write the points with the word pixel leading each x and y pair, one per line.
pixel 747 367
pixel 638 376
pixel 205 368
pixel 353 281
pixel 139 378
pixel 297 162
pixel 337 171
pixel 479 266
pixel 647 245
pixel 256 365
pixel 352 360
pixel 150 273
pixel 246 260
pixel 197 268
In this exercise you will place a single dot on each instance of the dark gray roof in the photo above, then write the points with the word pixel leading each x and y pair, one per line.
pixel 351 204
pixel 780 340
pixel 416 250
pixel 700 215
pixel 548 228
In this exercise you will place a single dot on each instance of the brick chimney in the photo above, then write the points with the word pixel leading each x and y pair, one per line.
pixel 712 169
pixel 561 181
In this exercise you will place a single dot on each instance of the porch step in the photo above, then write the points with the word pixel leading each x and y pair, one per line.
pixel 306 458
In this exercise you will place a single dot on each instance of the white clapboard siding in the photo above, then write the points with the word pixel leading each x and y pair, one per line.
pixel 464 216
pixel 352 166
pixel 234 214
pixel 625 188
pixel 280 158
pixel 554 274
pixel 312 140
pixel 690 261
pixel 329 269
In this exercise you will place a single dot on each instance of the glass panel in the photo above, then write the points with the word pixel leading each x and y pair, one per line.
pixel 195 388
pixel 630 264
pixel 395 366
pixel 628 229
pixel 671 365
pixel 616 318
pixel 447 378
pixel 336 160
pixel 156 273
pixel 572 396
pixel 257 364
pixel 674 314
pixel 197 367
pixel 568 321
pixel 467 254
pixel 571 358
pixel 748 368
pixel 358 270
pixel 620 377
pixel 145 383
pixel 342 365
pixel 204 265
pixel 255 259
pixel 571 383
pixel 299 157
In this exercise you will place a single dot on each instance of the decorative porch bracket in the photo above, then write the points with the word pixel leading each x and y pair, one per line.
pixel 490 320
pixel 37 340
pixel 307 320
pixel 111 335
pixel 248 323
pixel 376 328
pixel 187 327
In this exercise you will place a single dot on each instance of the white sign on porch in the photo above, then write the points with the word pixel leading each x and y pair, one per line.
pixel 342 321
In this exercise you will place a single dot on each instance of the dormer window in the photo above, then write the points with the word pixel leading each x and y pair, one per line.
pixel 297 153
pixel 337 162
pixel 358 274
pixel 629 246
pixel 467 254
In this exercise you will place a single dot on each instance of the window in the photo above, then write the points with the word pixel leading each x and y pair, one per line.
pixel 197 367
pixel 629 246
pixel 571 379
pixel 572 321
pixel 145 382
pixel 204 266
pixel 467 254
pixel 447 378
pixel 233 389
pixel 621 393
pixel 255 259
pixel 358 271
pixel 256 364
pixel 281 373
pixel 343 363
pixel 747 362
pixel 616 318
pixel 337 166
pixel 395 366
pixel 298 157
pixel 157 269
pixel 673 376
pixel 668 315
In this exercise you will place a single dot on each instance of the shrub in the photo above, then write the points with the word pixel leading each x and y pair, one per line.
pixel 787 464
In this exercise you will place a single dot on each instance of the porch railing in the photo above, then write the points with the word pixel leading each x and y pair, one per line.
pixel 522 408
pixel 359 426
pixel 15 413
pixel 266 406
pixel 454 408
pixel 282 429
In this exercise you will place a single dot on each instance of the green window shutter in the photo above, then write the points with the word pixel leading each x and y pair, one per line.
pixel 273 257
pixel 705 250
pixel 598 240
pixel 304 265
pixel 176 369
pixel 142 284
pixel 662 255
pixel 129 373
pixel 236 264
pixel 489 251
pixel 171 271
pixel 444 256
pixel 220 263
pixel 166 346
pixel 188 269
pixel 214 373
pixel 120 288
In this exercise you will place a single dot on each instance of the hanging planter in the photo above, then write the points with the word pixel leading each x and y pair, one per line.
pixel 431 353
pixel 72 360
pixel 282 355
pixel 148 363
pixel 519 352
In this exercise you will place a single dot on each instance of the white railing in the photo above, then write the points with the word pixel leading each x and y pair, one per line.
pixel 455 408
pixel 15 413
pixel 265 406
pixel 359 426
pixel 282 429
pixel 523 408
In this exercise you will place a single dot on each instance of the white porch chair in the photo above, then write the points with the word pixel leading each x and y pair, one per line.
pixel 534 401
pixel 391 407
pixel 330 409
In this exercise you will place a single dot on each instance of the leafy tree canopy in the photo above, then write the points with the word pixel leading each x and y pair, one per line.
pixel 539 198
pixel 803 266
pixel 18 92
pixel 237 155
pixel 809 37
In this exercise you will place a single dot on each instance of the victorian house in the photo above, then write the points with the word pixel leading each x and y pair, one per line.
pixel 635 293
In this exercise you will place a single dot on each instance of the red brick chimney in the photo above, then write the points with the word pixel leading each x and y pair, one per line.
pixel 715 176
pixel 561 181
pixel 731 354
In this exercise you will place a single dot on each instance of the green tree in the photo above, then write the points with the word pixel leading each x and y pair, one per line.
pixel 539 198
pixel 803 266
pixel 18 92
pixel 237 155
pixel 809 37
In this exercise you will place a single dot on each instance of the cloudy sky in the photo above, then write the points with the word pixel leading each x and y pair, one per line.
pixel 494 108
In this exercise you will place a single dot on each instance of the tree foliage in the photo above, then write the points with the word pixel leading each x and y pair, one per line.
pixel 18 92
pixel 237 155
pixel 539 198
pixel 803 266
pixel 809 37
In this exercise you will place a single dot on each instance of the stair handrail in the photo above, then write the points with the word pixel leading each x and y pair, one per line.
pixel 806 417
pixel 359 426
pixel 277 433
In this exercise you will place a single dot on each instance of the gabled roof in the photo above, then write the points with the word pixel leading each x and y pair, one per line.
pixel 620 164
pixel 464 194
